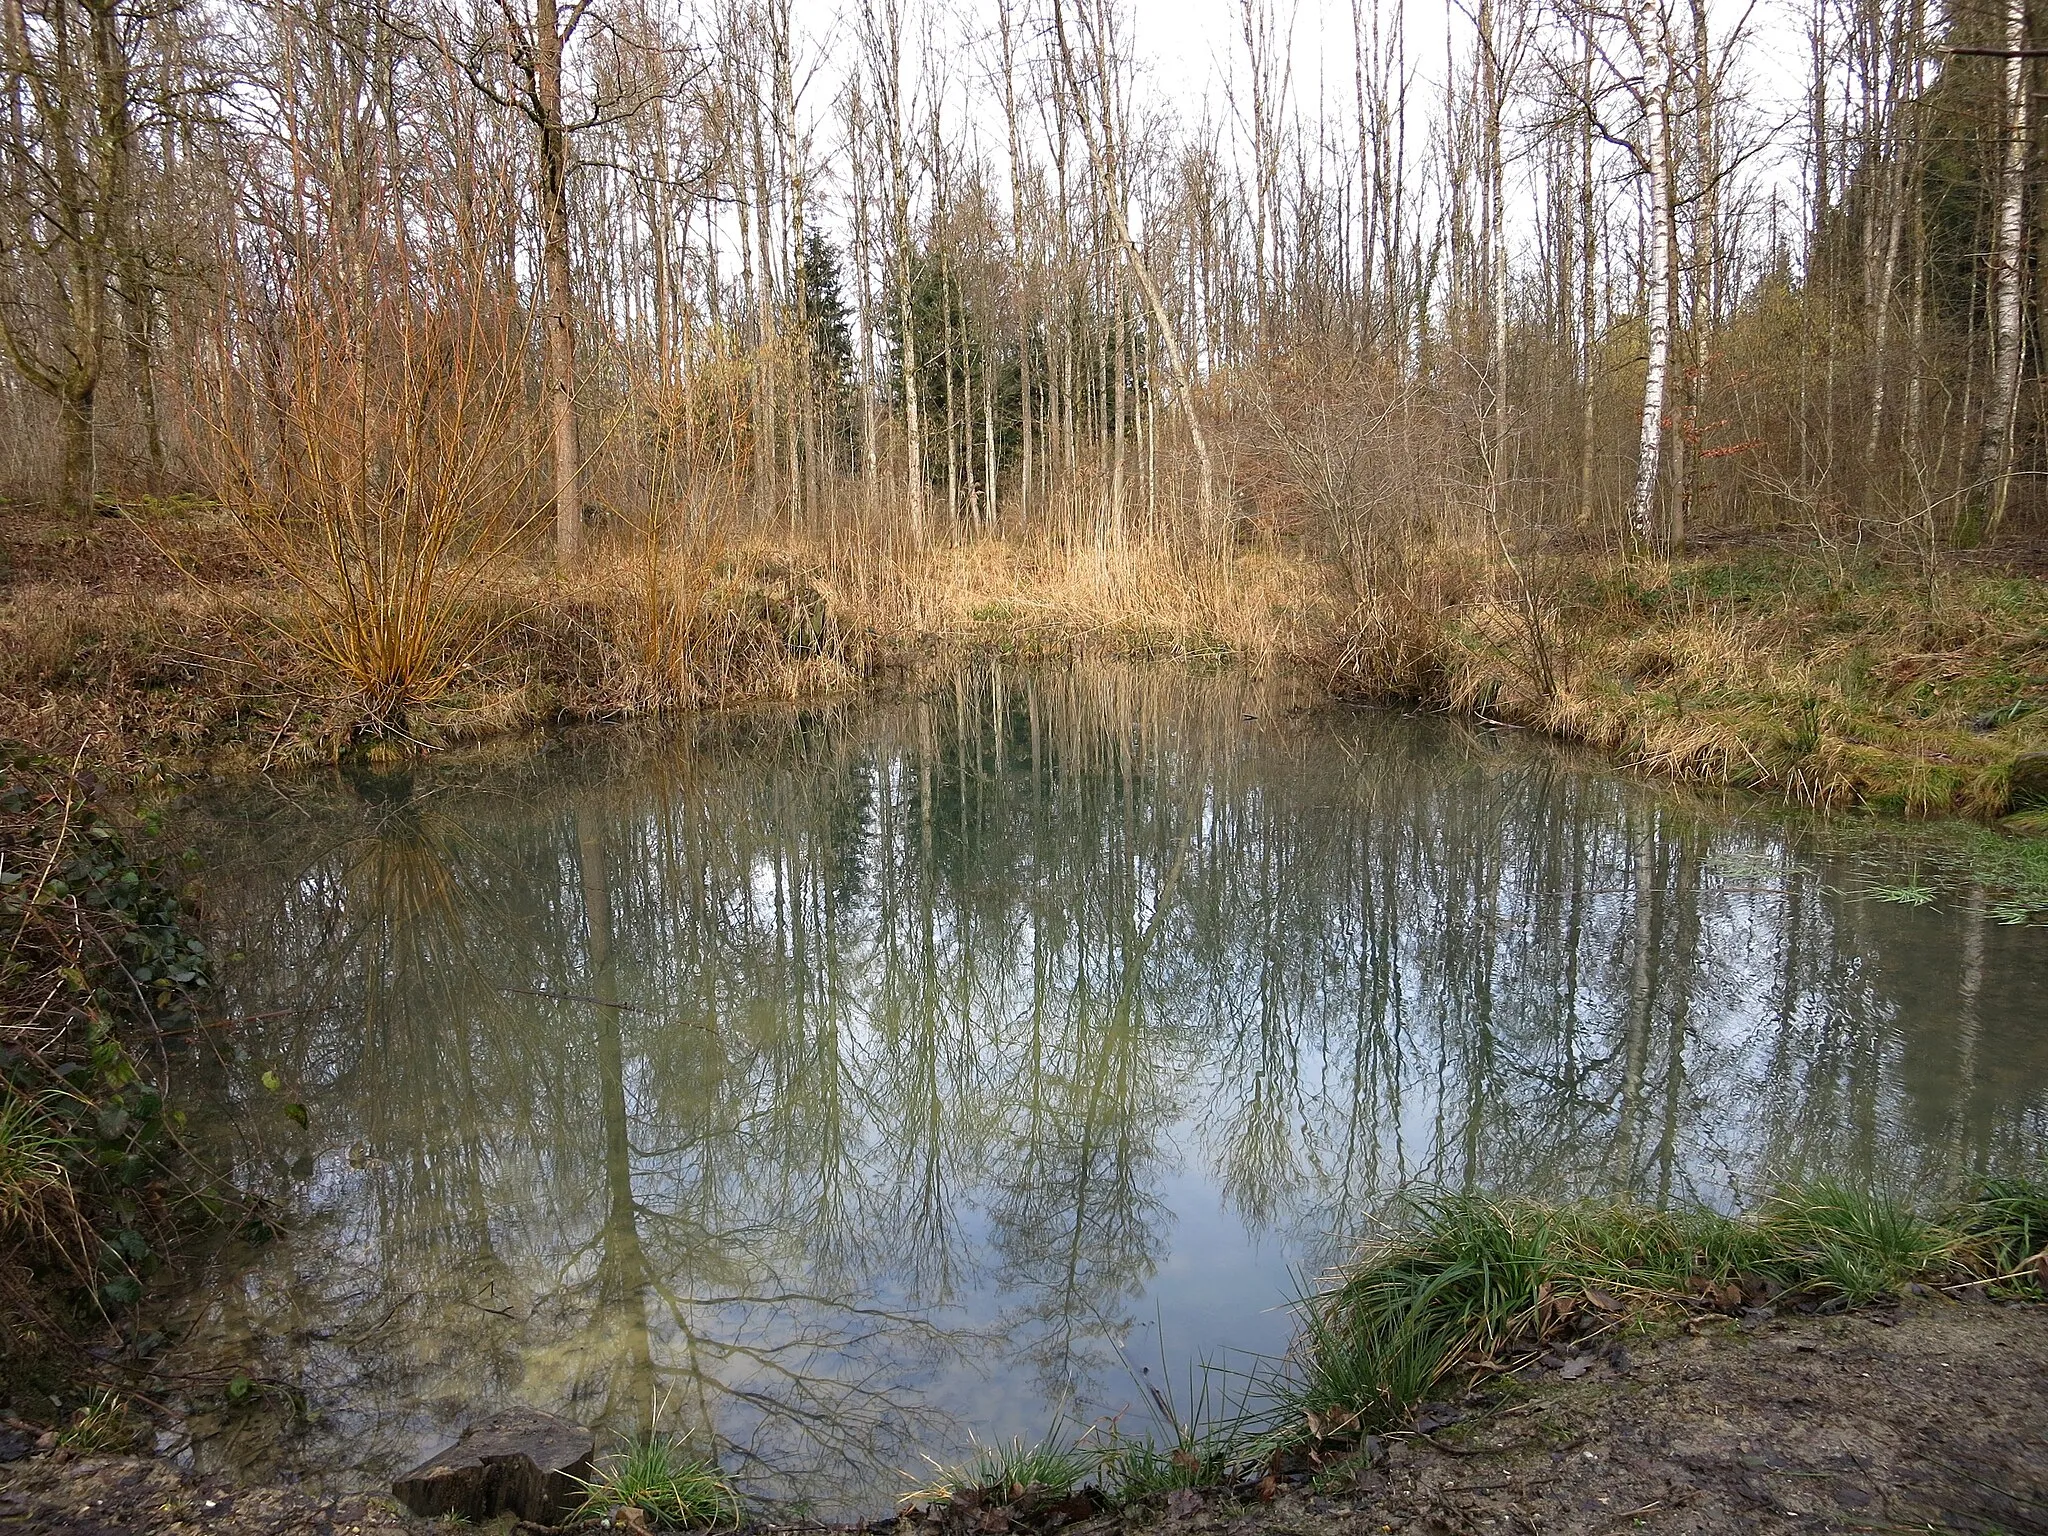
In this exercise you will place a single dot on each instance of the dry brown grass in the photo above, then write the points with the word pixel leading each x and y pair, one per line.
pixel 1139 599
pixel 187 657
pixel 1763 669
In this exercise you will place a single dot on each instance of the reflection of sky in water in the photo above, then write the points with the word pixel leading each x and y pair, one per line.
pixel 855 1083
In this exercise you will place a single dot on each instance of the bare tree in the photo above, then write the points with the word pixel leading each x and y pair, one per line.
pixel 1651 34
pixel 64 171
pixel 2008 277
pixel 539 38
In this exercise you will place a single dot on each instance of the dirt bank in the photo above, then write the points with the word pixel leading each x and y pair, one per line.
pixel 1933 1416
pixel 120 1495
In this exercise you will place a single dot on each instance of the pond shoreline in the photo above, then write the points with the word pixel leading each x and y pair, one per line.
pixel 1872 683
pixel 1931 1411
pixel 1021 643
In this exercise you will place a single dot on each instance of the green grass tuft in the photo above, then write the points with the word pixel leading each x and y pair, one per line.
pixel 103 1425
pixel 1849 1245
pixel 663 1476
pixel 2004 1227
pixel 1052 1465
pixel 32 1166
pixel 1464 1286
pixel 1137 1469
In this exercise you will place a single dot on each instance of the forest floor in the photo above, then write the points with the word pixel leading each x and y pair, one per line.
pixel 1932 1416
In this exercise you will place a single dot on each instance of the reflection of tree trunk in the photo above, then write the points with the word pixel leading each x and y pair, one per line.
pixel 1642 1003
pixel 1479 968
pixel 1574 935
pixel 1777 1074
pixel 1681 1018
pixel 621 1315
pixel 1968 1027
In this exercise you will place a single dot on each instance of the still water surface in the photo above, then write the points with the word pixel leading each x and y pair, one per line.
pixel 850 1083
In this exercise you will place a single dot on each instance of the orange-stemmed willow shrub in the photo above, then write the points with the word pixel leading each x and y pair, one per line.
pixel 376 452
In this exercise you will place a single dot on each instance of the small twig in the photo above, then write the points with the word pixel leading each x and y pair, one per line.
pixel 56 846
pixel 575 997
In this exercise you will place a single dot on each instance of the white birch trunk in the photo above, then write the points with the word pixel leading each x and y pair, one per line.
pixel 2008 278
pixel 1657 106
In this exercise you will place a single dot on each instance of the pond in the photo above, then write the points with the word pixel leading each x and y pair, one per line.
pixel 849 1085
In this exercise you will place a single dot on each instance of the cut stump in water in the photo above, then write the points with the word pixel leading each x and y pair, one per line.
pixel 519 1461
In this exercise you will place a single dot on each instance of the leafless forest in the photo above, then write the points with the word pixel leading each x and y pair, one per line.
pixel 447 277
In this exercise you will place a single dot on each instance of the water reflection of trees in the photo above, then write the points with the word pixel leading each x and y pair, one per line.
pixel 738 1071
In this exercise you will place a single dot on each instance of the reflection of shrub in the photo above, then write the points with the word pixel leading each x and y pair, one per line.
pixel 664 1478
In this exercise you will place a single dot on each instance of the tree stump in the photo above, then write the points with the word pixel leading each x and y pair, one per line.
pixel 519 1461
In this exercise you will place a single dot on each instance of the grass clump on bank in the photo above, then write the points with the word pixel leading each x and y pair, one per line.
pixel 1050 1466
pixel 1073 1476
pixel 663 1477
pixel 1468 1287
pixel 1465 1288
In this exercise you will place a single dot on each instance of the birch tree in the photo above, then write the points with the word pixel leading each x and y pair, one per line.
pixel 1993 486
pixel 1648 27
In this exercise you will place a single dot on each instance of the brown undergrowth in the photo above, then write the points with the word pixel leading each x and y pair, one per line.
pixel 1873 682
pixel 162 640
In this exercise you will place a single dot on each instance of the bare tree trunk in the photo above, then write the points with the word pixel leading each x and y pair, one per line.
pixel 560 322
pixel 75 431
pixel 2008 278
pixel 768 355
pixel 1023 288
pixel 1903 131
pixel 1099 150
pixel 1657 106
pixel 59 173
pixel 862 241
pixel 885 44
pixel 1493 170
pixel 1589 261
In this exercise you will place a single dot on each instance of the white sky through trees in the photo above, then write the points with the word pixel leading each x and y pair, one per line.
pixel 1189 74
